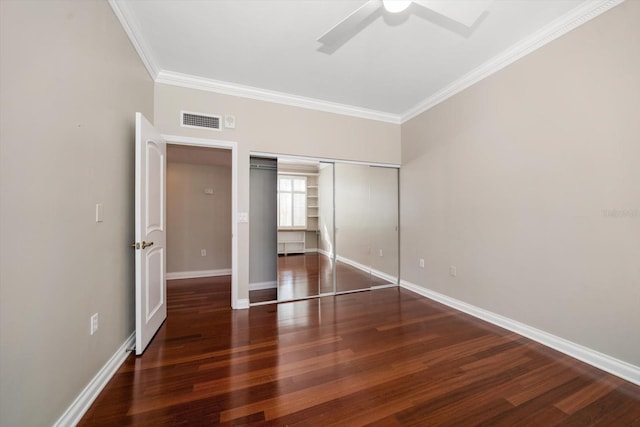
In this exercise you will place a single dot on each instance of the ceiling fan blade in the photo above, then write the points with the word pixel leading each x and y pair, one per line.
pixel 345 27
pixel 465 12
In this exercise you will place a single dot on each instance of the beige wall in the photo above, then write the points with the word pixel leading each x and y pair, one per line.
pixel 70 85
pixel 275 128
pixel 196 220
pixel 514 182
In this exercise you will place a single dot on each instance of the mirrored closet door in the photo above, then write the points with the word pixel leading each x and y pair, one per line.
pixel 320 228
pixel 366 231
pixel 304 228
pixel 383 225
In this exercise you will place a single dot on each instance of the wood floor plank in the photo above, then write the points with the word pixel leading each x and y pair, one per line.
pixel 386 358
pixel 620 407
pixel 588 394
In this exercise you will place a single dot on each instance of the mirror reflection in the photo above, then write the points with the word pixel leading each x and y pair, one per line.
pixel 305 211
pixel 366 212
pixel 318 228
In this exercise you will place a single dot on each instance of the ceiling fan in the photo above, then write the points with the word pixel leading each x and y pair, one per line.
pixel 465 12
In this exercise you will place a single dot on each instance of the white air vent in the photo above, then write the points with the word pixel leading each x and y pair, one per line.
pixel 199 120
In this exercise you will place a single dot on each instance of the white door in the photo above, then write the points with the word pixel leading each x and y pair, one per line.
pixel 151 284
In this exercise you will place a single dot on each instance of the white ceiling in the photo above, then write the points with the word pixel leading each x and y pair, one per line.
pixel 396 66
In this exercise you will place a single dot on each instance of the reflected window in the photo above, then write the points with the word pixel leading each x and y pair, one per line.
pixel 292 202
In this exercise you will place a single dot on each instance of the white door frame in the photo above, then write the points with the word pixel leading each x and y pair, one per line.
pixel 229 145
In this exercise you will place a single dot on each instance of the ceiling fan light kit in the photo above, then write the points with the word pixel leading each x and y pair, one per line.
pixel 396 6
pixel 464 12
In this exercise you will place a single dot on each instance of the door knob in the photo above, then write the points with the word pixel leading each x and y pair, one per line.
pixel 146 245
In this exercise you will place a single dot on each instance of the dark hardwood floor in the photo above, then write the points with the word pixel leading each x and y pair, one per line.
pixel 385 357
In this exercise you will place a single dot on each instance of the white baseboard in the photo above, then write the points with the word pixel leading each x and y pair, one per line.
pixel 81 404
pixel 242 303
pixel 198 274
pixel 258 286
pixel 366 269
pixel 325 253
pixel 602 361
pixel 311 251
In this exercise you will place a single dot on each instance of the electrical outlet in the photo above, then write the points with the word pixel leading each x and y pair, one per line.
pixel 203 252
pixel 453 272
pixel 421 262
pixel 94 324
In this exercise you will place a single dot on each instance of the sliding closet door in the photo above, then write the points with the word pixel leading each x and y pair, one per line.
pixel 383 225
pixel 352 227
pixel 320 228
pixel 305 228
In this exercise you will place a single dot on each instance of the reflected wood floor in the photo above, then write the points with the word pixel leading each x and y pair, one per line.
pixel 385 357
pixel 306 275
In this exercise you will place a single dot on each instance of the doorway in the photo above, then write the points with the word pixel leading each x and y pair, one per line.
pixel 198 212
pixel 204 159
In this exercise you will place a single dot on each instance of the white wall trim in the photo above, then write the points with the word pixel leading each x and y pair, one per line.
pixel 325 253
pixel 555 29
pixel 602 361
pixel 197 274
pixel 231 145
pixel 250 92
pixel 132 28
pixel 242 304
pixel 81 404
pixel 367 269
pixel 258 286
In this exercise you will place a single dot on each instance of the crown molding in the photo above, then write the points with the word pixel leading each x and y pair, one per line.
pixel 132 28
pixel 226 88
pixel 555 29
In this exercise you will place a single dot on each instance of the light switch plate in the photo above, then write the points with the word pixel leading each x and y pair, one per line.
pixel 99 213
pixel 93 324
pixel 453 271
pixel 243 217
